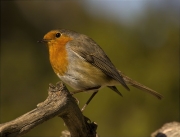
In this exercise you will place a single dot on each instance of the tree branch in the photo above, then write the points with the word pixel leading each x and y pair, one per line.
pixel 171 129
pixel 58 103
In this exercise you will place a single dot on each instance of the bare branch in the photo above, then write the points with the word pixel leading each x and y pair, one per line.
pixel 171 129
pixel 58 103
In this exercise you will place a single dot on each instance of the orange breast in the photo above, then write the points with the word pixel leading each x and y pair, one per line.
pixel 58 54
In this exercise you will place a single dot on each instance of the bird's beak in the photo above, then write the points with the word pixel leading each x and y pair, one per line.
pixel 43 41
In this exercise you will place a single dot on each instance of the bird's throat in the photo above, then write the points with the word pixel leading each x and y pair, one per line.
pixel 58 56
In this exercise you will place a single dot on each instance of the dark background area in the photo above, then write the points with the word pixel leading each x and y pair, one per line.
pixel 146 48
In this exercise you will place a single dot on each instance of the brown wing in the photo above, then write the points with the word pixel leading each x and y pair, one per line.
pixel 92 53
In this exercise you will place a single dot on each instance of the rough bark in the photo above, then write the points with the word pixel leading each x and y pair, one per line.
pixel 168 130
pixel 61 103
pixel 58 103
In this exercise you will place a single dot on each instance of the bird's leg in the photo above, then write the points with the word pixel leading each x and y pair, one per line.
pixel 91 97
pixel 89 100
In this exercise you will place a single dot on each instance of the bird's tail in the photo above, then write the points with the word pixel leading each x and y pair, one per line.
pixel 140 86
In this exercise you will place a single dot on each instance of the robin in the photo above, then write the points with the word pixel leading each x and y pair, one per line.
pixel 81 63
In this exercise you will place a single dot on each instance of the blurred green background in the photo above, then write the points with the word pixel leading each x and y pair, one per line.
pixel 141 38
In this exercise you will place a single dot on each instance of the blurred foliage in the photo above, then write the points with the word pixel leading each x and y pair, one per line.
pixel 147 51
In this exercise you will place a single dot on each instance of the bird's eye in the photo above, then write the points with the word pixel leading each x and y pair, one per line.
pixel 58 35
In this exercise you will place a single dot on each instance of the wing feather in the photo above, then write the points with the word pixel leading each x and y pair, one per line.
pixel 93 54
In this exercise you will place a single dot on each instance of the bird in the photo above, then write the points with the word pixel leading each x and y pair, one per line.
pixel 82 64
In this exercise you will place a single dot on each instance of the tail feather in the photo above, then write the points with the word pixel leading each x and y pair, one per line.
pixel 115 89
pixel 140 86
